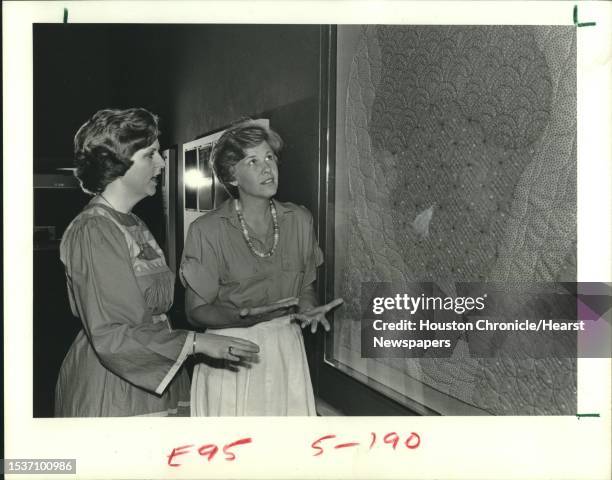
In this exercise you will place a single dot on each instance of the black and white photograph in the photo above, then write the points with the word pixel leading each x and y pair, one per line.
pixel 358 244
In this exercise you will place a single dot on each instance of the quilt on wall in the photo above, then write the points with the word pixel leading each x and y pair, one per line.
pixel 459 153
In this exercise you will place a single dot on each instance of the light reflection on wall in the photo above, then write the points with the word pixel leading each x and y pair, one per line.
pixel 194 178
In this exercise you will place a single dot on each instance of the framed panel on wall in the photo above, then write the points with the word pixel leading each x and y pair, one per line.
pixel 444 146
pixel 199 180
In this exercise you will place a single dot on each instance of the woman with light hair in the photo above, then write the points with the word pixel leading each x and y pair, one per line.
pixel 248 268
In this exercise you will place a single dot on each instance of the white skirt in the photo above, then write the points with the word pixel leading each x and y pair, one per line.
pixel 278 384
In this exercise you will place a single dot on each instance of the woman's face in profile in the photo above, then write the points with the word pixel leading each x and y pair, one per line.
pixel 256 175
pixel 141 177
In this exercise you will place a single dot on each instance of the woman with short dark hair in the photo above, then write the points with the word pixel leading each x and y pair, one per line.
pixel 247 266
pixel 127 359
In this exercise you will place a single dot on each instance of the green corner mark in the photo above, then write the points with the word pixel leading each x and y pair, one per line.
pixel 65 15
pixel 585 24
pixel 580 415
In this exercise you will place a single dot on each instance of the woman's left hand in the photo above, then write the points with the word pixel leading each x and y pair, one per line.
pixel 316 315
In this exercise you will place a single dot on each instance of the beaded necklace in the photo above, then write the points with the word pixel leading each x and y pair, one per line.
pixel 247 237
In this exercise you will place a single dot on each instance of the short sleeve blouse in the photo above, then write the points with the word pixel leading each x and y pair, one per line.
pixel 219 267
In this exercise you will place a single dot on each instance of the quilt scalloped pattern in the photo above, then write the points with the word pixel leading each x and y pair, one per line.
pixel 461 153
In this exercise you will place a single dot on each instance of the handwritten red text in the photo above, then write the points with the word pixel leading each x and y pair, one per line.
pixel 410 442
pixel 208 451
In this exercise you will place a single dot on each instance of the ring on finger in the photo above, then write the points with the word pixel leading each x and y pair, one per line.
pixel 229 350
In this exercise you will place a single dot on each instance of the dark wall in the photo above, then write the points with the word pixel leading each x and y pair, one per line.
pixel 79 69
pixel 71 81
pixel 224 72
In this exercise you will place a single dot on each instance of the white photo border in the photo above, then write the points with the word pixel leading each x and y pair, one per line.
pixel 452 447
